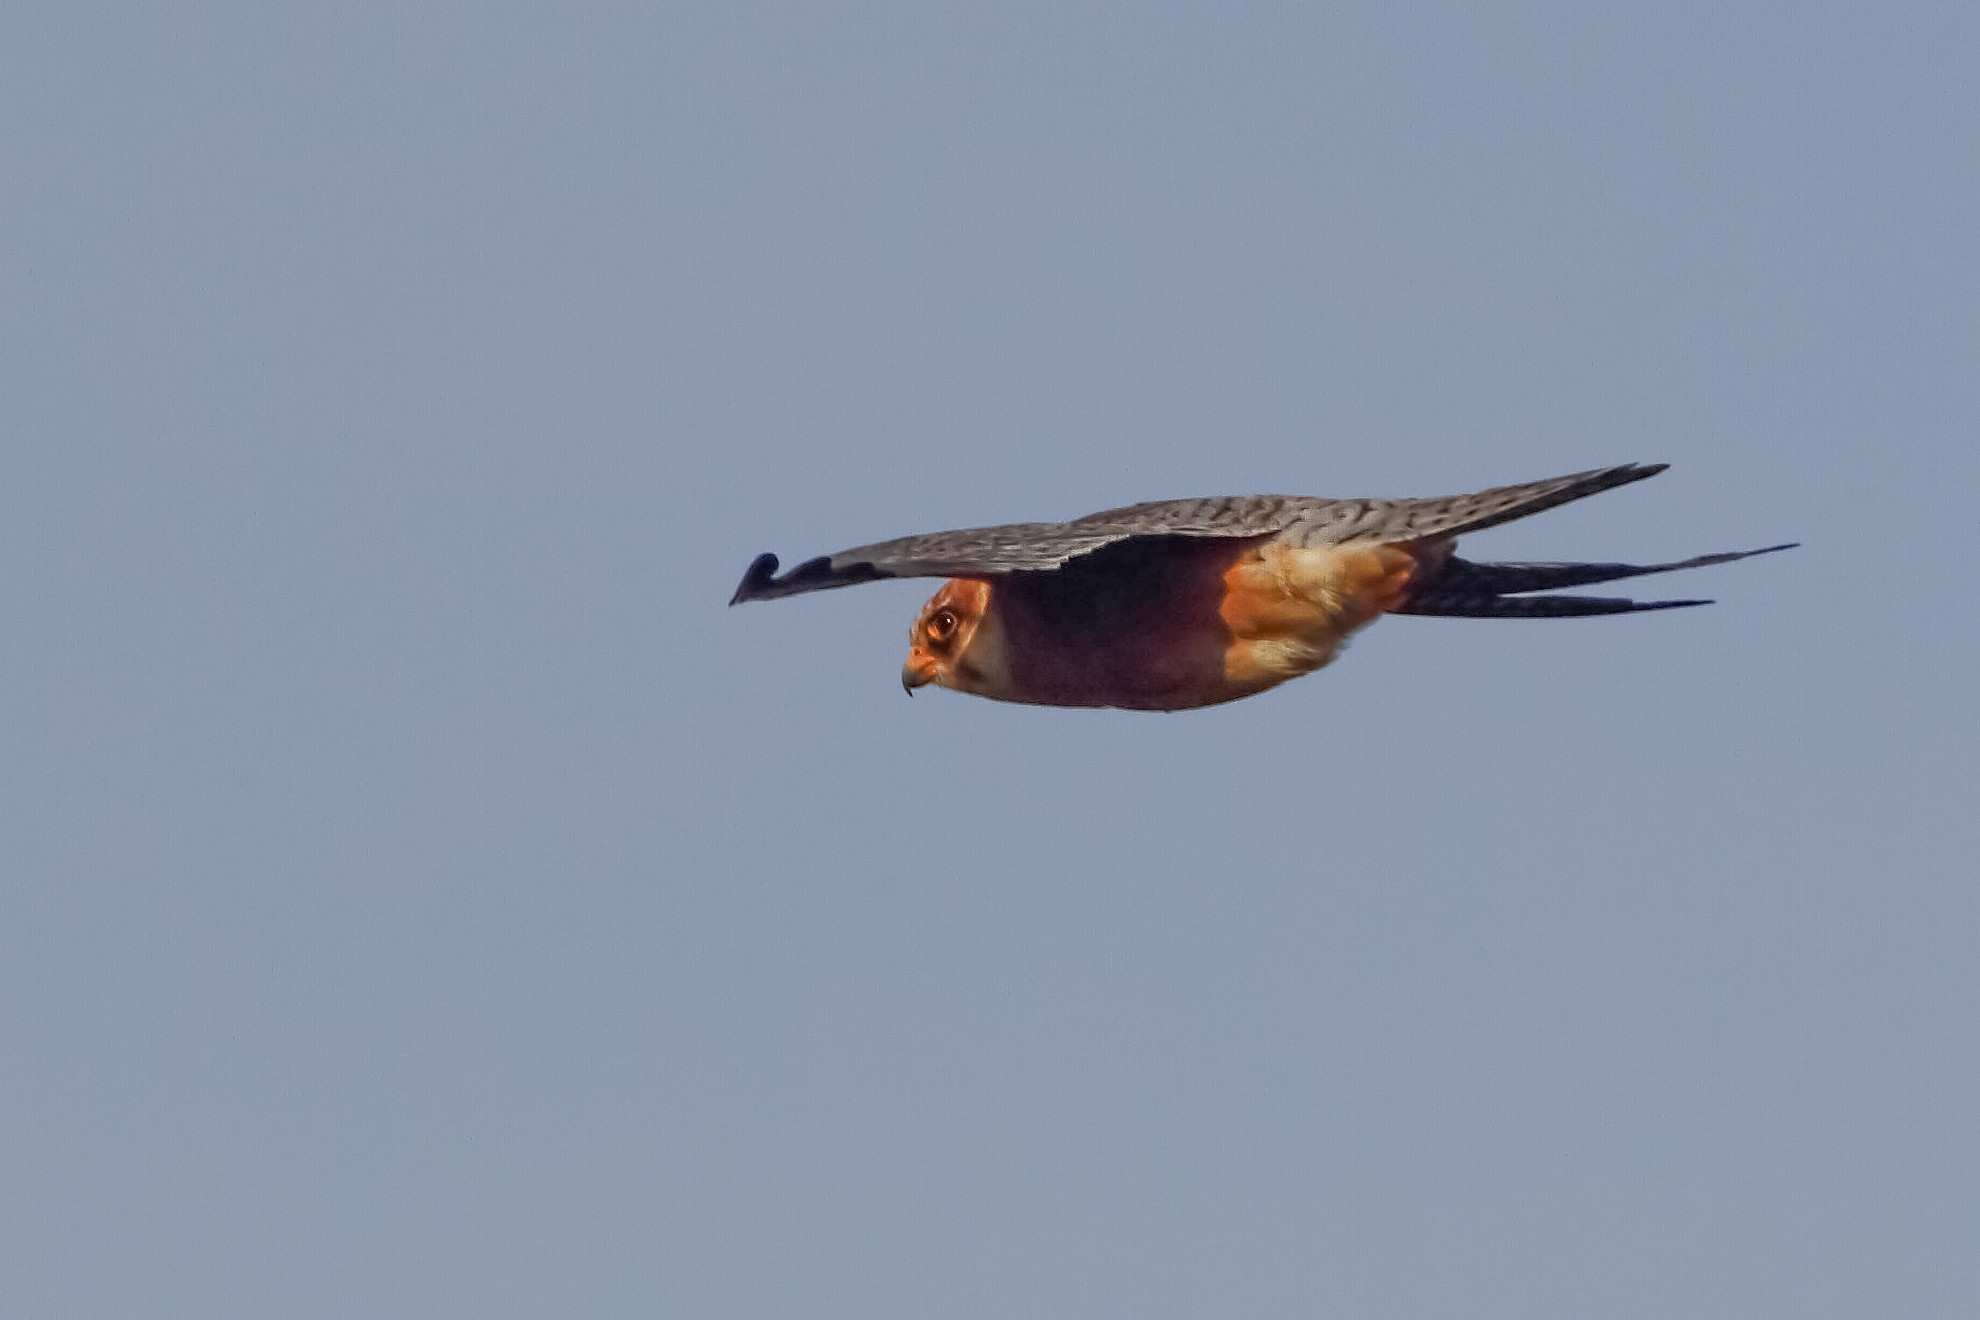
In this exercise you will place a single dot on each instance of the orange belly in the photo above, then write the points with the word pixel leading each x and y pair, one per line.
pixel 1288 611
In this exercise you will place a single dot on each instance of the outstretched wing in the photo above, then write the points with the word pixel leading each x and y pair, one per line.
pixel 979 552
pixel 1392 522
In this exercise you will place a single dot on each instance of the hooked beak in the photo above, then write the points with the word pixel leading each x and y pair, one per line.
pixel 919 671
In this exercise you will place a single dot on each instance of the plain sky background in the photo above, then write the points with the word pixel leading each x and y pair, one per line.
pixel 421 896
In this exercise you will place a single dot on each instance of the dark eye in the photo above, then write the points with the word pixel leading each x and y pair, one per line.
pixel 941 624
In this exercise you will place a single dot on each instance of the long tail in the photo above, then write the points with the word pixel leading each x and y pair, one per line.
pixel 1462 589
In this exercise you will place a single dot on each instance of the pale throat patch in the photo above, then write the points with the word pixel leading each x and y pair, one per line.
pixel 982 664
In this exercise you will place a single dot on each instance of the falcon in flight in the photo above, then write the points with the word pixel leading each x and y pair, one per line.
pixel 1184 603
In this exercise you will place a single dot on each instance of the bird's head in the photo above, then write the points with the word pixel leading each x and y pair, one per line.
pixel 949 645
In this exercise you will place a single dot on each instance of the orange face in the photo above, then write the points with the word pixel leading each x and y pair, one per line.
pixel 942 645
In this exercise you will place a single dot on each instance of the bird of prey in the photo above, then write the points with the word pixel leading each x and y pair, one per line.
pixel 1185 603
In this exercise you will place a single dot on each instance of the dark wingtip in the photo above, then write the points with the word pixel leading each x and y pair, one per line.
pixel 1630 473
pixel 762 583
pixel 761 570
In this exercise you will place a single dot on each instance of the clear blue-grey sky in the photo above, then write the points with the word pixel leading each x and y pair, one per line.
pixel 420 896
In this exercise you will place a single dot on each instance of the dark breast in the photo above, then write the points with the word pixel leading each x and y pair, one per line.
pixel 1136 624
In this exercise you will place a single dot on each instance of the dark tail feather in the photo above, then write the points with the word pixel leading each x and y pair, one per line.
pixel 1538 607
pixel 1492 591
